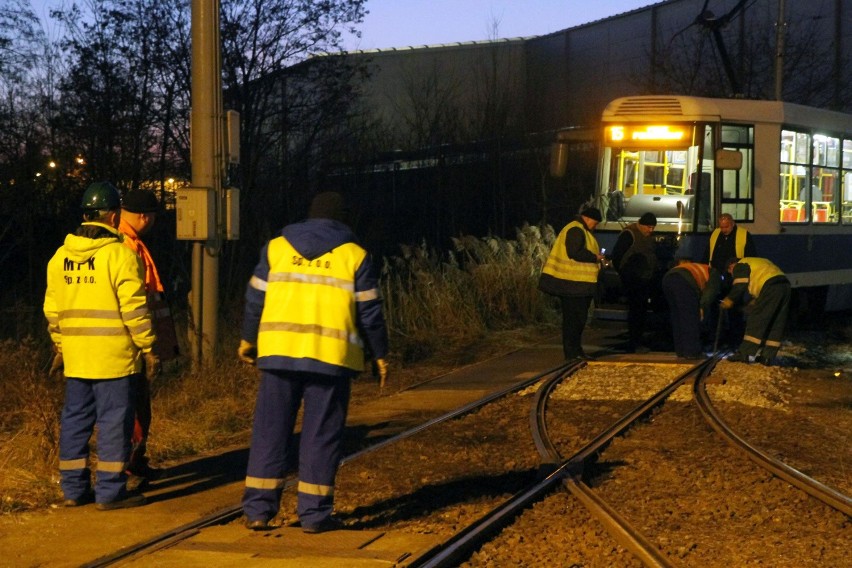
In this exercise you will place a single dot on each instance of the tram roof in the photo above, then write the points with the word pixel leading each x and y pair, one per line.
pixel 685 108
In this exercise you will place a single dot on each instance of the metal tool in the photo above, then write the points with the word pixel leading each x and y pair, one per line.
pixel 718 330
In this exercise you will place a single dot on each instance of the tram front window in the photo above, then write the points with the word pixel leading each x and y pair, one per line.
pixel 654 168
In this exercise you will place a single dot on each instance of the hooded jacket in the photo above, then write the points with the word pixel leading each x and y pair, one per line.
pixel 313 300
pixel 95 305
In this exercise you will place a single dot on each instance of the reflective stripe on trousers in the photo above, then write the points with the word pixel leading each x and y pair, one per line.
pixel 767 320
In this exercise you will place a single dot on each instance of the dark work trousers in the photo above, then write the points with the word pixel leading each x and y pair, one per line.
pixel 637 291
pixel 326 401
pixel 734 318
pixel 736 327
pixel 575 312
pixel 107 403
pixel 767 319
pixel 685 313
pixel 141 426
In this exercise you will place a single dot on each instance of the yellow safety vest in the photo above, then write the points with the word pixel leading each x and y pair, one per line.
pixel 739 243
pixel 309 307
pixel 559 265
pixel 761 271
pixel 95 305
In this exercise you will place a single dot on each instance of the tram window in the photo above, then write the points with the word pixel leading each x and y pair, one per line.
pixel 846 193
pixel 825 178
pixel 846 162
pixel 738 185
pixel 811 175
pixel 795 182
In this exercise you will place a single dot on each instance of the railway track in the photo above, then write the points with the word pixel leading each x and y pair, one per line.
pixel 480 513
pixel 233 513
pixel 569 472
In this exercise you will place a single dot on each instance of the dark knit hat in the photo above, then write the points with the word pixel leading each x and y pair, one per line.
pixel 328 205
pixel 648 219
pixel 592 213
pixel 140 201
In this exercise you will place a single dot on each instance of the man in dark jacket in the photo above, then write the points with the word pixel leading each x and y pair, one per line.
pixel 728 241
pixel 311 306
pixel 690 289
pixel 635 259
pixel 571 273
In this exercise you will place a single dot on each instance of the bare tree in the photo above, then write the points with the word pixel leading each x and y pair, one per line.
pixel 738 58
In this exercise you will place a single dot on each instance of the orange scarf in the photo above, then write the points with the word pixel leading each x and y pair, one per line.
pixel 132 240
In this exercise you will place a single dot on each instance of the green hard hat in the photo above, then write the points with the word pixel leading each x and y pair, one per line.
pixel 101 195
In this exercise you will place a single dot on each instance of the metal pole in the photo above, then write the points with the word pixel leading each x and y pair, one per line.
pixel 718 330
pixel 195 302
pixel 207 160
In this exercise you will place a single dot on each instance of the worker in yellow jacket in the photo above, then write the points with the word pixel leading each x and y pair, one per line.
pixel 99 322
pixel 313 315
pixel 767 289
pixel 571 274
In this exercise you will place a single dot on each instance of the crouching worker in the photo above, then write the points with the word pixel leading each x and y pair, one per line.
pixel 98 319
pixel 311 306
pixel 690 289
pixel 766 317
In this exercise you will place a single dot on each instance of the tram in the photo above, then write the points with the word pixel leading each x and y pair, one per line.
pixel 782 170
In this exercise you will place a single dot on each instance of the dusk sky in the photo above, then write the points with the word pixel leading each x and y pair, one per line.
pixel 402 23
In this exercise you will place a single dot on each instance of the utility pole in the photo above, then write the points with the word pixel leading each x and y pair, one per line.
pixel 207 155
pixel 780 33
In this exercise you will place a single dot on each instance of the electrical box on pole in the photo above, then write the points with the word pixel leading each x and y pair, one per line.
pixel 196 213
pixel 232 137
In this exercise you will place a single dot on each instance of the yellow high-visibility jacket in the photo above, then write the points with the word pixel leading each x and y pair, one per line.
pixel 309 309
pixel 566 276
pixel 95 305
pixel 752 273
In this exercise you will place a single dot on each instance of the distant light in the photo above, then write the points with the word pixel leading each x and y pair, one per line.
pixel 838 373
pixel 38 174
pixel 51 164
pixel 80 160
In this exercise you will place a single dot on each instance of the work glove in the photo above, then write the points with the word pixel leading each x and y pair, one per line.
pixel 726 304
pixel 153 366
pixel 247 352
pixel 381 370
pixel 57 366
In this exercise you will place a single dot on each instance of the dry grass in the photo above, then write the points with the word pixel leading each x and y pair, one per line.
pixel 30 406
pixel 439 308
pixel 483 285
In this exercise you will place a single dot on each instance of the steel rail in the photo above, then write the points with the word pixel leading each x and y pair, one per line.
pixel 616 525
pixel 602 440
pixel 228 514
pixel 461 545
pixel 809 485
pixel 538 423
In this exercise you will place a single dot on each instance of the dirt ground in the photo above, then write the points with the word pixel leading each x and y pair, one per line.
pixel 677 481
